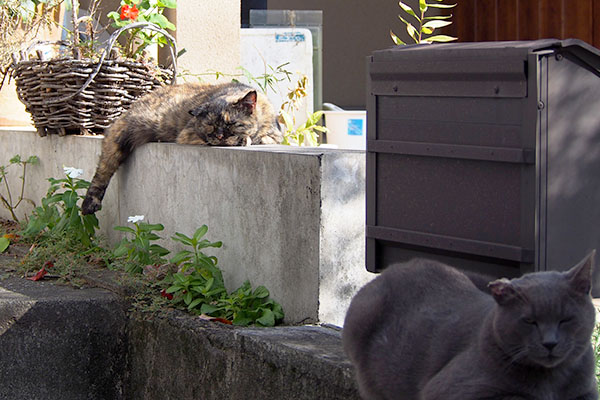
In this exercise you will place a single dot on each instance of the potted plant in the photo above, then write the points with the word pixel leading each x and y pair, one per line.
pixel 80 86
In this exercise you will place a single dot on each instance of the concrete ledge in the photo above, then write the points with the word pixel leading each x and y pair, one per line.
pixel 60 343
pixel 181 358
pixel 292 219
pixel 57 342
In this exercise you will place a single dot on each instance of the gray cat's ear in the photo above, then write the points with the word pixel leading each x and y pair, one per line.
pixel 503 291
pixel 248 102
pixel 580 276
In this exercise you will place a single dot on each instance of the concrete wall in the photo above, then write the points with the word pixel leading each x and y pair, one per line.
pixel 290 219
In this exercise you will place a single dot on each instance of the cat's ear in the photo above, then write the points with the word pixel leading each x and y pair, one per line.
pixel 248 102
pixel 503 291
pixel 198 111
pixel 580 276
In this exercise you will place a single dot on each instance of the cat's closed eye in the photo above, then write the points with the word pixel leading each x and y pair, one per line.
pixel 529 321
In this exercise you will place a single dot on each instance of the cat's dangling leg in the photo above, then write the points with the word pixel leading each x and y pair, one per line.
pixel 116 147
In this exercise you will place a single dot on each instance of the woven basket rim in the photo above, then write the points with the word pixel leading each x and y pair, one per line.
pixel 92 61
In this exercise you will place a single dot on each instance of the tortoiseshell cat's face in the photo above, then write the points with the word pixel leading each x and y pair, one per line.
pixel 226 122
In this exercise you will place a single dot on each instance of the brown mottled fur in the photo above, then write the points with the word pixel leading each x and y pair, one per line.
pixel 230 114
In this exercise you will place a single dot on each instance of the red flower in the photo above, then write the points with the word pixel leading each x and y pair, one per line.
pixel 167 295
pixel 129 12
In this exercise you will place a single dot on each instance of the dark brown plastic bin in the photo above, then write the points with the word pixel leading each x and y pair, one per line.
pixel 484 155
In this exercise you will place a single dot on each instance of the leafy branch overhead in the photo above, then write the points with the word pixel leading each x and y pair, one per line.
pixel 420 27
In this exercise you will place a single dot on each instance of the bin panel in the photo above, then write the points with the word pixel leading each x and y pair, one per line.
pixel 468 199
pixel 570 149
pixel 468 121
pixel 458 78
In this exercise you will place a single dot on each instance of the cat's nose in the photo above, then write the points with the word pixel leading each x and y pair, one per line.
pixel 550 344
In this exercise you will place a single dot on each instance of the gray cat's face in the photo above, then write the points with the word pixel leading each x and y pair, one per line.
pixel 227 122
pixel 544 319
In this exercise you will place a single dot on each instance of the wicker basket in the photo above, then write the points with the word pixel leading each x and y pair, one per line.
pixel 69 96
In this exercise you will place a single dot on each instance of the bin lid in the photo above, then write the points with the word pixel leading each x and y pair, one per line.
pixel 482 50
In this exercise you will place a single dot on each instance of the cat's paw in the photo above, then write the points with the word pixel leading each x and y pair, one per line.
pixel 90 205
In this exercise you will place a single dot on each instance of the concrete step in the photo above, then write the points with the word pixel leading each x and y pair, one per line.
pixel 58 342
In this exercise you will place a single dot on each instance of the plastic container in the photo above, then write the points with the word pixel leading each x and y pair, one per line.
pixel 266 48
pixel 347 129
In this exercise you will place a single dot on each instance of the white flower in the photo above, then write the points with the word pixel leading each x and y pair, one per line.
pixel 135 218
pixel 73 172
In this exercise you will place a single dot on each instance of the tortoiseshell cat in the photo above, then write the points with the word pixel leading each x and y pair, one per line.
pixel 423 331
pixel 230 114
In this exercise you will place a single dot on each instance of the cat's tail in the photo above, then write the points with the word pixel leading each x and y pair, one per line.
pixel 115 149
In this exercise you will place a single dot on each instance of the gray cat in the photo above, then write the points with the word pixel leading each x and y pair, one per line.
pixel 423 331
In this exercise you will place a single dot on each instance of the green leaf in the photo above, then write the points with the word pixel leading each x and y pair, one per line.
pixel 422 6
pixel 242 319
pixel 412 31
pixel 441 5
pixel 52 199
pixel 205 243
pixel 261 292
pixel 215 291
pixel 161 251
pixel 435 24
pixel 187 298
pixel 183 255
pixel 427 31
pixel 114 15
pixel 90 223
pixel 209 284
pixel 209 308
pixel 200 232
pixel 124 229
pixel 151 236
pixel 173 289
pixel 121 250
pixel 396 39
pixel 315 117
pixel 195 303
pixel 205 262
pixel 181 52
pixel 181 238
pixel 287 120
pixel 167 3
pixel 408 9
pixel 438 17
pixel 70 198
pixel 4 243
pixel 267 318
pixel 33 160
pixel 151 227
pixel 277 310
pixel 15 160
pixel 439 38
pixel 159 20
